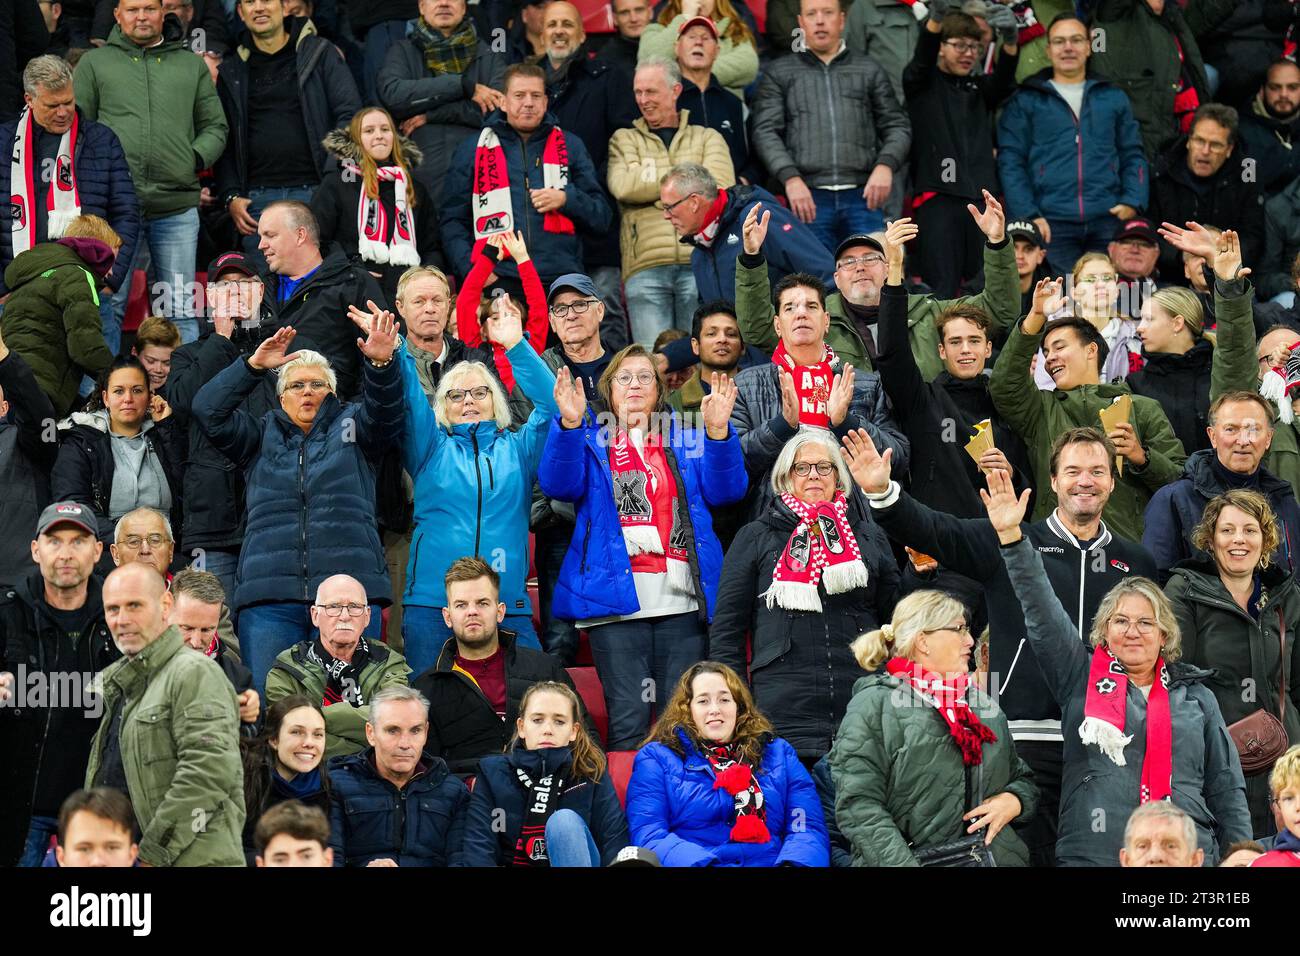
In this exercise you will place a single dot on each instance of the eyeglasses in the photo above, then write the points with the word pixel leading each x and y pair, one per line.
pixel 315 385
pixel 132 542
pixel 579 307
pixel 478 393
pixel 804 468
pixel 1104 277
pixel 1198 142
pixel 669 207
pixel 1144 624
pixel 334 610
pixel 856 261
pixel 961 47
pixel 642 378
pixel 955 628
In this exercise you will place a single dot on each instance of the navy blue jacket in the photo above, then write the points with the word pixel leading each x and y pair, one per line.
pixel 103 181
pixel 1176 509
pixel 717 108
pixel 553 253
pixel 423 824
pixel 1062 168
pixel 489 841
pixel 790 246
pixel 310 501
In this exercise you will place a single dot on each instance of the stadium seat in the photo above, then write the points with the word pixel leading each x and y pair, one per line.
pixel 620 771
pixel 588 687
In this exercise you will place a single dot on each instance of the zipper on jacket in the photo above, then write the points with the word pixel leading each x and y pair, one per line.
pixel 478 476
pixel 399 837
pixel 415 565
pixel 302 515
pixel 528 220
pixel 830 99
pixel 492 481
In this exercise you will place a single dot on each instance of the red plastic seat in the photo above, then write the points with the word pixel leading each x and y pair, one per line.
pixel 583 658
pixel 592 693
pixel 620 771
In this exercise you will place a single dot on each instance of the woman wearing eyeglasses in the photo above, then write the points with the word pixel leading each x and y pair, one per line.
pixel 805 580
pixel 641 573
pixel 1139 723
pixel 1094 296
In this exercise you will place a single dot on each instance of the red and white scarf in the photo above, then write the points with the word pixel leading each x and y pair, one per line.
pixel 1026 22
pixel 372 221
pixel 63 198
pixel 712 220
pixel 1103 722
pixel 949 698
pixel 813 385
pixel 646 496
pixel 492 211
pixel 823 548
pixel 738 779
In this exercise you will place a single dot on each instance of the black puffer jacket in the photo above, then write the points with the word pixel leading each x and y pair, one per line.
pixel 463 725
pixel 44 750
pixel 1181 384
pixel 802 670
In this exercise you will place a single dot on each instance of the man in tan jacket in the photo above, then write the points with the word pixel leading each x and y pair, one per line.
pixel 656 266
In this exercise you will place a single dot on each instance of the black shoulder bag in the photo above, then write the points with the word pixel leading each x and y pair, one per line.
pixel 968 849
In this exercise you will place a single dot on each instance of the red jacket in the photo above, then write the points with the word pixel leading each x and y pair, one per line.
pixel 536 322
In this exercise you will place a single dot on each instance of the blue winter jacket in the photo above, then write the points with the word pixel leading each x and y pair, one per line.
pixel 473 485
pixel 596 576
pixel 554 253
pixel 310 501
pixel 103 182
pixel 423 824
pixel 790 246
pixel 490 838
pixel 674 810
pixel 1062 168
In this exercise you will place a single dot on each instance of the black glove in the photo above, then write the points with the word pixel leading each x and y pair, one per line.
pixel 939 8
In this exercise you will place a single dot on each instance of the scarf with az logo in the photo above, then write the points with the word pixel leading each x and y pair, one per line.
pixel 342 678
pixel 648 506
pixel 372 220
pixel 812 383
pixel 490 207
pixel 822 549
pixel 540 800
pixel 1104 710
pixel 738 779
pixel 62 198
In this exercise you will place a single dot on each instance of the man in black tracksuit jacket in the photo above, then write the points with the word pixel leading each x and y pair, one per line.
pixel 1081 572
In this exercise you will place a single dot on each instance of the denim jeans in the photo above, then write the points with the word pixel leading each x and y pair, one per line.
pixel 639 663
pixel 223 564
pixel 663 297
pixel 559 637
pixel 259 198
pixel 39 831
pixel 266 630
pixel 424 632
pixel 842 213
pixel 1072 238
pixel 569 842
pixel 167 249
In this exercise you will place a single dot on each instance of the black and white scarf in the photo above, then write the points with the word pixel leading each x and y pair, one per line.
pixel 540 801
pixel 342 678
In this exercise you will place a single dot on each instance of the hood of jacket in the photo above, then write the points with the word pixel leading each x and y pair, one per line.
pixel 1042 81
pixel 95 421
pixel 343 147
pixel 540 761
pixel 429 771
pixel 44 256
pixel 1197 358
pixel 1259 112
pixel 95 253
pixel 738 197
pixel 31 591
pixel 1199 469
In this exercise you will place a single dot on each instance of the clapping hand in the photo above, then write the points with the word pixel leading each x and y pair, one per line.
pixel 897 235
pixel 717 405
pixel 869 468
pixel 1005 510
pixel 789 397
pixel 271 353
pixel 841 396
pixel 570 398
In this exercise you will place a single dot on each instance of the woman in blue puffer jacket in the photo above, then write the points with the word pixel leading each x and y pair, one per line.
pixel 473 483
pixel 641 574
pixel 715 787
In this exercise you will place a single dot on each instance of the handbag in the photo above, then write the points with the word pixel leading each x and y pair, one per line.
pixel 967 850
pixel 1260 738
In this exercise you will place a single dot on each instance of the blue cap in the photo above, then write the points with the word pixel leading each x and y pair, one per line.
pixel 575 281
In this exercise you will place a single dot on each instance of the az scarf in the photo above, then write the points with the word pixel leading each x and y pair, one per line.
pixel 813 385
pixel 712 220
pixel 372 221
pixel 647 502
pixel 492 209
pixel 823 548
pixel 949 699
pixel 452 54
pixel 540 799
pixel 1279 382
pixel 738 779
pixel 342 678
pixel 1030 28
pixel 62 199
pixel 1103 722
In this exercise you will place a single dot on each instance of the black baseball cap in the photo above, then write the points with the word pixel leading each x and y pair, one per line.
pixel 858 239
pixel 66 512
pixel 1138 227
pixel 1027 230
pixel 230 262
pixel 577 282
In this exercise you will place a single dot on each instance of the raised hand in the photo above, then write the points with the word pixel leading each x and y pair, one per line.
pixel 158 408
pixel 379 344
pixel 789 397
pixel 755 229
pixel 1047 297
pixel 897 235
pixel 717 405
pixel 363 319
pixel 505 322
pixel 869 468
pixel 1227 257
pixel 514 244
pixel 1005 510
pixel 841 396
pixel 271 353
pixel 992 221
pixel 1195 240
pixel 570 398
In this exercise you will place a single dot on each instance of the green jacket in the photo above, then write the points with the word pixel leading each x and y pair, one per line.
pixel 1038 417
pixel 1000 300
pixel 345 725
pixel 51 319
pixel 899 778
pixel 180 749
pixel 163 107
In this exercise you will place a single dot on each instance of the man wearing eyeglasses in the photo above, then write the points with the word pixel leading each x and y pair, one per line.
pixel 340 667
pixel 1073 179
pixel 1201 178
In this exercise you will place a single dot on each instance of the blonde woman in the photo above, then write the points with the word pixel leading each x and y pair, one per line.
pixel 923 757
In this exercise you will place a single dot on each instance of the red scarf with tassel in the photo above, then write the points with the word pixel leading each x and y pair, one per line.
pixel 738 780
pixel 1104 710
pixel 949 698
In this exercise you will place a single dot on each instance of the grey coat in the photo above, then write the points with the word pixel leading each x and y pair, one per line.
pixel 1097 795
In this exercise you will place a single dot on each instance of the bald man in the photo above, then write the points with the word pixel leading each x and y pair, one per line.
pixel 170 734
pixel 340 667
pixel 144 536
